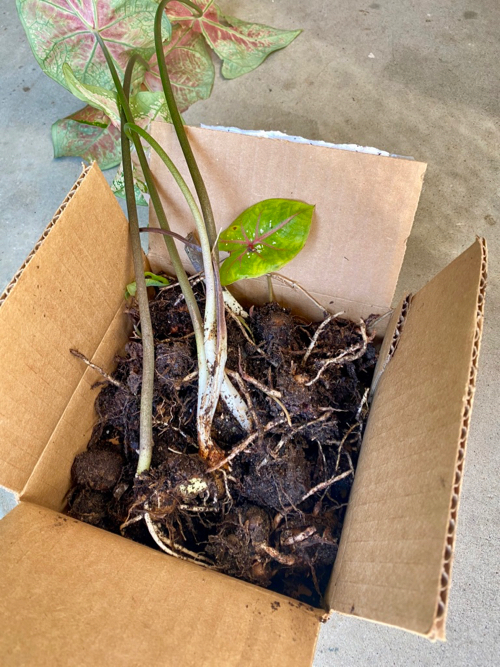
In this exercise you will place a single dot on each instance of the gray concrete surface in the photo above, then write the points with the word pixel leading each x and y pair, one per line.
pixel 430 90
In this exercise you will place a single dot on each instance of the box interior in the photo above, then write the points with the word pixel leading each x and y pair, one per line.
pixel 365 205
pixel 69 294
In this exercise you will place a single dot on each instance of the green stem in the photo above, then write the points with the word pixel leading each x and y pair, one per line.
pixel 179 270
pixel 162 154
pixel 198 182
pixel 148 350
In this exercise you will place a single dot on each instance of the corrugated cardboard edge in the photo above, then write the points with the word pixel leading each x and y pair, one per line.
pixel 391 340
pixel 45 233
pixel 438 630
pixel 432 626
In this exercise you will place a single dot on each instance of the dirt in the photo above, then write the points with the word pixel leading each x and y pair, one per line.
pixel 273 514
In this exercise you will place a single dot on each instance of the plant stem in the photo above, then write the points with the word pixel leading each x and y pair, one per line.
pixel 148 350
pixel 198 182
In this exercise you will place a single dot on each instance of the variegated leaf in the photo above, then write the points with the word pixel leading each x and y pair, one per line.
pixel 88 134
pixel 190 67
pixel 242 46
pixel 63 31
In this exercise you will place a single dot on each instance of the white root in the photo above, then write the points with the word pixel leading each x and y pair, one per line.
pixel 244 444
pixel 295 285
pixel 172 549
pixel 351 354
pixel 325 485
pixel 233 305
pixel 317 334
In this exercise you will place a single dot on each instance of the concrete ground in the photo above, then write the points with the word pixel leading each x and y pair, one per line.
pixel 413 78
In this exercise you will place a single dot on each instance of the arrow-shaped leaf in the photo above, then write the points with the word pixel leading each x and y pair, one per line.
pixel 190 68
pixel 242 46
pixel 63 31
pixel 264 238
pixel 88 134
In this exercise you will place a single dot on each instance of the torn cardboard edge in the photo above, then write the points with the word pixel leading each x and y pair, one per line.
pixel 277 134
pixel 45 233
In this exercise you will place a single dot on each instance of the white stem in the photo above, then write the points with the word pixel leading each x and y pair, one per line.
pixel 235 404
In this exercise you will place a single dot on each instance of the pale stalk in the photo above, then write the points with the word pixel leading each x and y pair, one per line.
pixel 226 390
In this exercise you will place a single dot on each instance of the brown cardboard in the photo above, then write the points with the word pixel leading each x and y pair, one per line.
pixel 365 205
pixel 65 295
pixel 51 607
pixel 397 543
pixel 75 595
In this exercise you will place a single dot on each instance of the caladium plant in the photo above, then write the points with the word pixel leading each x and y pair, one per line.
pixel 63 32
pixel 272 231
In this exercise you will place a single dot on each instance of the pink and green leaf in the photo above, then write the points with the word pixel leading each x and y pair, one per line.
pixel 242 46
pixel 264 238
pixel 88 134
pixel 190 68
pixel 63 31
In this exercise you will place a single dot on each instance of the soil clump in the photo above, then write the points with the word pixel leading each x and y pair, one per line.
pixel 272 513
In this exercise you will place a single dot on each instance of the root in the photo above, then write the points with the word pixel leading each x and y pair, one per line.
pixel 244 444
pixel 288 436
pixel 317 334
pixel 295 285
pixel 172 549
pixel 325 485
pixel 97 368
pixel 351 354
pixel 276 555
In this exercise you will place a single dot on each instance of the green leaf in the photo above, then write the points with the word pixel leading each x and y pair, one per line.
pixel 264 238
pixel 88 134
pixel 63 31
pixel 152 280
pixel 145 106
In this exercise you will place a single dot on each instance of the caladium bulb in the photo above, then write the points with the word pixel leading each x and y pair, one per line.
pixel 264 238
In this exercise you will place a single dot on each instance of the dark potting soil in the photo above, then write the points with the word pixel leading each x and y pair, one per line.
pixel 272 514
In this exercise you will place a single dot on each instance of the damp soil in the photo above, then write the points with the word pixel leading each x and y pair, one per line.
pixel 272 514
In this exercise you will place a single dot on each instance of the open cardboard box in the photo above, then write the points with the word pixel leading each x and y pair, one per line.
pixel 74 594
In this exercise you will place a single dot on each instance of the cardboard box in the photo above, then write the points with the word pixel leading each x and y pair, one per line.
pixel 74 594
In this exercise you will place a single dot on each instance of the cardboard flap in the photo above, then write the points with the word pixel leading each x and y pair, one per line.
pixel 65 296
pixel 76 595
pixel 396 550
pixel 365 206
